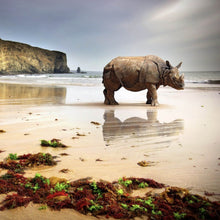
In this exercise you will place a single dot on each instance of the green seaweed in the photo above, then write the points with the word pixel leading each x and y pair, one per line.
pixel 61 187
pixel 94 206
pixel 125 206
pixel 43 179
pixel 124 182
pixel 34 187
pixel 154 212
pixel 80 188
pixel 13 156
pixel 178 215
pixel 96 189
pixel 120 192
pixel 52 143
pixel 43 207
pixel 149 202
pixel 136 207
pixel 143 185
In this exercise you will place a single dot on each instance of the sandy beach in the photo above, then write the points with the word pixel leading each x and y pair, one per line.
pixel 180 137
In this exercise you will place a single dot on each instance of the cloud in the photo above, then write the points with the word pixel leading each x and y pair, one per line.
pixel 188 21
pixel 93 32
pixel 188 29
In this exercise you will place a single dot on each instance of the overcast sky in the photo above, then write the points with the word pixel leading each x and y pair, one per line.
pixel 92 32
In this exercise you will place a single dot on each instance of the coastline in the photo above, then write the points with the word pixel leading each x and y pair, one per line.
pixel 180 136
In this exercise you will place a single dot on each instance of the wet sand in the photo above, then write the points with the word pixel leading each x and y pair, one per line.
pixel 180 136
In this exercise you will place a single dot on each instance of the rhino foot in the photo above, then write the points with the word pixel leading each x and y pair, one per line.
pixel 154 103
pixel 113 103
pixel 110 103
pixel 149 101
pixel 106 102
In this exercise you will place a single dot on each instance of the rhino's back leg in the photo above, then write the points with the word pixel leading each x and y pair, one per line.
pixel 149 97
pixel 111 84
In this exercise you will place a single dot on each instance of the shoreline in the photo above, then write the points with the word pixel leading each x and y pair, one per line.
pixel 180 136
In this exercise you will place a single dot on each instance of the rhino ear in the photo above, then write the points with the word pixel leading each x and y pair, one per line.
pixel 179 65
pixel 168 64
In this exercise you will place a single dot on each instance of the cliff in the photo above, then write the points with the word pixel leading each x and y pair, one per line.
pixel 22 58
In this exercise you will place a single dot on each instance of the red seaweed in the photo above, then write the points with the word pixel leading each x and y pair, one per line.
pixel 101 198
pixel 14 200
pixel 19 163
pixel 105 198
pixel 62 193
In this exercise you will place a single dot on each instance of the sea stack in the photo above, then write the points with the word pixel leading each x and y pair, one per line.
pixel 16 58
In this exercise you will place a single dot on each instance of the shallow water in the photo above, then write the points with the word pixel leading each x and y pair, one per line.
pixel 29 94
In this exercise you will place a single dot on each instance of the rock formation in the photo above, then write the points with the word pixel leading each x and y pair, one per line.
pixel 22 58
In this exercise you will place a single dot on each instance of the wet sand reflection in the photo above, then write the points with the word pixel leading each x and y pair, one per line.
pixel 142 132
pixel 27 94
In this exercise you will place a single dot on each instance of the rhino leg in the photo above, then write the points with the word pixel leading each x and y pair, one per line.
pixel 109 97
pixel 152 95
pixel 149 97
pixel 111 84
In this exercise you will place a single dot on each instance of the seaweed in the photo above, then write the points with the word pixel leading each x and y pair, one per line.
pixel 64 154
pixel 80 135
pixel 103 198
pixel 178 215
pixel 124 181
pixel 13 156
pixel 56 194
pixel 15 200
pixel 53 143
pixel 95 123
pixel 61 187
pixel 43 207
pixel 144 163
pixel 98 160
pixel 106 198
pixel 65 170
pixel 19 163
pixel 135 183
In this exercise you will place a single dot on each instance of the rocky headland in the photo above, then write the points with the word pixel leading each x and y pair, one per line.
pixel 18 58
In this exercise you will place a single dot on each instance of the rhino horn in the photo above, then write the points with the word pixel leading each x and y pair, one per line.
pixel 182 77
pixel 179 65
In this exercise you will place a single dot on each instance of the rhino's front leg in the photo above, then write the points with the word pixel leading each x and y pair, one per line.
pixel 152 91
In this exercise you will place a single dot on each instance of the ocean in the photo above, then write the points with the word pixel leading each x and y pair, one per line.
pixel 71 88
pixel 94 78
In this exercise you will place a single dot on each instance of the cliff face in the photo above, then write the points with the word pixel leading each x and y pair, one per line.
pixel 22 58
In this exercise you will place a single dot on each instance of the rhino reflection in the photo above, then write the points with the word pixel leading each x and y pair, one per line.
pixel 16 93
pixel 145 131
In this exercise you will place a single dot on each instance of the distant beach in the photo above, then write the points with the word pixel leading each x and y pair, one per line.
pixel 179 138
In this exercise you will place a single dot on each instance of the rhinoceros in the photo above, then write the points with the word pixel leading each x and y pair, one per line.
pixel 139 73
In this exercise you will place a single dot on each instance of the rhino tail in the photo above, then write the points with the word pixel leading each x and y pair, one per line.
pixel 107 71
